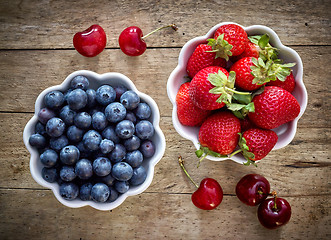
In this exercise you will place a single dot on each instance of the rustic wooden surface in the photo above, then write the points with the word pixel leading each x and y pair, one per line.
pixel 36 52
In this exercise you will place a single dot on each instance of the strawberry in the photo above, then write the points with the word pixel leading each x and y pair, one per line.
pixel 251 50
pixel 203 57
pixel 188 114
pixel 229 40
pixel 288 84
pixel 274 107
pixel 219 132
pixel 246 124
pixel 256 143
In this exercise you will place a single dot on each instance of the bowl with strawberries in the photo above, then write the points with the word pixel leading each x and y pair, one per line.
pixel 237 93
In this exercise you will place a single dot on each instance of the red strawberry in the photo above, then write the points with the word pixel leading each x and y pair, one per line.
pixel 188 114
pixel 251 50
pixel 288 84
pixel 219 132
pixel 230 40
pixel 244 78
pixel 200 87
pixel 257 143
pixel 246 124
pixel 201 58
pixel 274 107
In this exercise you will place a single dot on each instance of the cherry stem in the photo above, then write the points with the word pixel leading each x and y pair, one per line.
pixel 173 26
pixel 200 160
pixel 181 163
pixel 274 194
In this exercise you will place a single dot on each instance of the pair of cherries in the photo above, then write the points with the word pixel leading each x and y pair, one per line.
pixel 92 41
pixel 252 189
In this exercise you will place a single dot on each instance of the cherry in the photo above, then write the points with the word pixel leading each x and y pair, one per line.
pixel 131 40
pixel 274 212
pixel 252 189
pixel 208 195
pixel 91 41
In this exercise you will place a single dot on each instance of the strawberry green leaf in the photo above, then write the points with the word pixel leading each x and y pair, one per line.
pixel 263 41
pixel 235 106
pixel 203 152
pixel 244 99
pixel 221 47
pixel 238 114
pixel 249 162
pixel 199 153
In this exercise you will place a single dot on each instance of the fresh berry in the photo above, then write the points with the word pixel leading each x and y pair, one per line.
pixel 99 121
pixel 92 140
pixel 124 129
pixel 85 192
pixel 67 173
pixel 49 158
pixel 274 107
pixel 288 84
pixel 188 113
pixel 67 115
pixel 69 191
pixel 251 50
pixel 122 171
pixel 81 82
pixel 119 91
pixel 246 124
pixel 109 133
pixel 100 192
pixel 130 100
pixel 113 195
pixel 147 148
pixel 49 174
pixel 118 154
pixel 91 41
pixel 219 132
pixel 45 114
pixel 55 127
pixel 105 95
pixel 144 129
pixel 109 180
pixel 143 111
pixel 122 186
pixel 134 158
pixel 101 166
pixel 252 189
pixel 201 58
pixel 83 120
pixel 115 112
pixel 77 99
pixel 54 99
pixel 139 176
pixel 131 40
pixel 83 169
pixel 132 143
pixel 69 155
pixel 75 134
pixel 57 143
pixel 37 140
pixel 106 146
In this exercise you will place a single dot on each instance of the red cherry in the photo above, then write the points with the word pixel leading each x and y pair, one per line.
pixel 131 40
pixel 209 195
pixel 273 215
pixel 252 189
pixel 90 42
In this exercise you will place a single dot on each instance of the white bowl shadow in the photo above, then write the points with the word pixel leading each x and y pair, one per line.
pixel 178 76
pixel 111 78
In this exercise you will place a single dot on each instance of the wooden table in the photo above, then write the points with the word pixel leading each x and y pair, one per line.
pixel 36 52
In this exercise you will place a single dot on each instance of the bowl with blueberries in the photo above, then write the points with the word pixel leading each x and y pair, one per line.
pixel 94 140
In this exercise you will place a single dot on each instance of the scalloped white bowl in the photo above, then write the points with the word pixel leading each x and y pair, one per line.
pixel 285 133
pixel 97 80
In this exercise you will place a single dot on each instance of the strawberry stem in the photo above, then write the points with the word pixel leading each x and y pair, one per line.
pixel 181 163
pixel 237 92
pixel 234 153
pixel 173 26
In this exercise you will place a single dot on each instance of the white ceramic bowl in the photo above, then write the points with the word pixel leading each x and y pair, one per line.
pixel 97 80
pixel 285 133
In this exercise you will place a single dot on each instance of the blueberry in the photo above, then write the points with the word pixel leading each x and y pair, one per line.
pixel 130 100
pixel 49 174
pixel 83 169
pixel 99 121
pixel 67 173
pixel 139 176
pixel 91 98
pixel 144 129
pixel 100 192
pixel 132 143
pixel 118 153
pixel 122 171
pixel 125 129
pixel 67 115
pixel 45 114
pixel 74 134
pixel 69 155
pixel 147 148
pixel 58 143
pixel 109 133
pixel 54 99
pixel 77 99
pixel 55 127
pixel 109 180
pixel 143 111
pixel 113 195
pixel 101 166
pixel 83 120
pixel 121 187
pixel 49 158
pixel 92 140
pixel 106 146
pixel 37 140
pixel 130 116
pixel 40 128
pixel 134 158
pixel 69 191
pixel 84 152
pixel 119 91
pixel 115 112
pixel 85 192
pixel 80 82
pixel 105 95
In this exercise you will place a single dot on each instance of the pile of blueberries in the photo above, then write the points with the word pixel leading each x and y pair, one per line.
pixel 93 142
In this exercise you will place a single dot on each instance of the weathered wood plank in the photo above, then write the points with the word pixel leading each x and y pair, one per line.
pixel 306 160
pixel 24 74
pixel 52 24
pixel 38 215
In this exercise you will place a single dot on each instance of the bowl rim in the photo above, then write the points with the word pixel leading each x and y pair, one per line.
pixel 104 78
pixel 276 42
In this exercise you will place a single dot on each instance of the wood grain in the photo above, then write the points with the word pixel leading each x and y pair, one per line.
pixel 52 24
